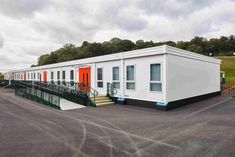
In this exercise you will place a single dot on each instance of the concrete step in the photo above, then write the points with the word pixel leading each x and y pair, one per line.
pixel 105 100
pixel 99 98
pixel 104 103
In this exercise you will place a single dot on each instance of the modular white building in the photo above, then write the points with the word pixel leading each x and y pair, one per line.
pixel 163 77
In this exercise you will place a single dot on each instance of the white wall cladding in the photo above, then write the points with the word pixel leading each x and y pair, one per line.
pixel 142 79
pixel 190 77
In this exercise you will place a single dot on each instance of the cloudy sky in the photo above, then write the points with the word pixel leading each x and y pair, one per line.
pixel 29 28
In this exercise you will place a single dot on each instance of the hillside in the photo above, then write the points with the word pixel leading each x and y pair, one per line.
pixel 228 65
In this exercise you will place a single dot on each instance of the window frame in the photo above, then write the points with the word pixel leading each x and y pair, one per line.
pixel 116 81
pixel 71 72
pixel 130 81
pixel 63 75
pixel 102 80
pixel 157 82
pixel 58 75
pixel 52 75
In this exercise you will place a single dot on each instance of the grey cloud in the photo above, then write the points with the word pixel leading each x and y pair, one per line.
pixel 22 8
pixel 4 59
pixel 1 40
pixel 52 23
pixel 173 8
pixel 132 24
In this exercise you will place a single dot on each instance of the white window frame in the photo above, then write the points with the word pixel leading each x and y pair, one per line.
pixel 102 77
pixel 161 77
pixel 116 81
pixel 130 81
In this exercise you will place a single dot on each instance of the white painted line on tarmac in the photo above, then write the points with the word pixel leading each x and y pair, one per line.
pixel 206 108
pixel 101 126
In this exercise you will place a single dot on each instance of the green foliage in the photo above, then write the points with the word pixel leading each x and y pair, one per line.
pixel 195 48
pixel 228 66
pixel 1 76
pixel 224 46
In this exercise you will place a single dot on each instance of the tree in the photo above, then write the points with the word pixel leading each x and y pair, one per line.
pixel 195 48
pixel 217 46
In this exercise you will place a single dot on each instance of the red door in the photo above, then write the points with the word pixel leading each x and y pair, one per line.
pixel 85 78
pixel 44 76
pixel 25 76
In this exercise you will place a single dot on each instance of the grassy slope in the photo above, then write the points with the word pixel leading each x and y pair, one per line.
pixel 228 65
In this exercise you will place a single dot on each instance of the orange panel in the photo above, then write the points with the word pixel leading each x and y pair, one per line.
pixel 25 76
pixel 44 76
pixel 85 77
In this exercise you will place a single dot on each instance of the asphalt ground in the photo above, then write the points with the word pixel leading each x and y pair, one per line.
pixel 30 129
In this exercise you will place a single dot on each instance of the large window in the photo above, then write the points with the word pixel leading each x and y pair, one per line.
pixel 63 75
pixel 116 79
pixel 71 75
pixel 52 75
pixel 155 77
pixel 130 77
pixel 100 78
pixel 58 75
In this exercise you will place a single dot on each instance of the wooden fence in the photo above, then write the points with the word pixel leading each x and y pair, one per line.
pixel 228 88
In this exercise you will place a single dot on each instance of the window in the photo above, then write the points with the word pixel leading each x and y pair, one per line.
pixel 63 75
pixel 28 76
pixel 130 77
pixel 58 75
pixel 71 75
pixel 34 76
pixel 52 75
pixel 100 78
pixel 38 76
pixel 155 77
pixel 116 80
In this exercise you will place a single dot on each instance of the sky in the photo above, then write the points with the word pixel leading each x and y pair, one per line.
pixel 30 28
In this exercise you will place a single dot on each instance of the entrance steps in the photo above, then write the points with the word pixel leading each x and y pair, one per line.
pixel 102 101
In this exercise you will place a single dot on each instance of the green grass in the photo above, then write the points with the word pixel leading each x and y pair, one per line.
pixel 228 65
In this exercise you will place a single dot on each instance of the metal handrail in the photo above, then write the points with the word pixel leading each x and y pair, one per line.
pixel 80 89
pixel 111 91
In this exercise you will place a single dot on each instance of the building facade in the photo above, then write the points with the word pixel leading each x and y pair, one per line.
pixel 162 77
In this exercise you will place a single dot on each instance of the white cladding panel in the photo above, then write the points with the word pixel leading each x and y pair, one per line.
pixel 107 75
pixel 142 79
pixel 187 77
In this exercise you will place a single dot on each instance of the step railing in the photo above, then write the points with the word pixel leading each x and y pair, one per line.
pixel 91 93
pixel 4 83
pixel 37 93
pixel 111 91
pixel 64 90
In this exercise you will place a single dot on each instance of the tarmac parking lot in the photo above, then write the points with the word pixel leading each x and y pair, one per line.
pixel 30 129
